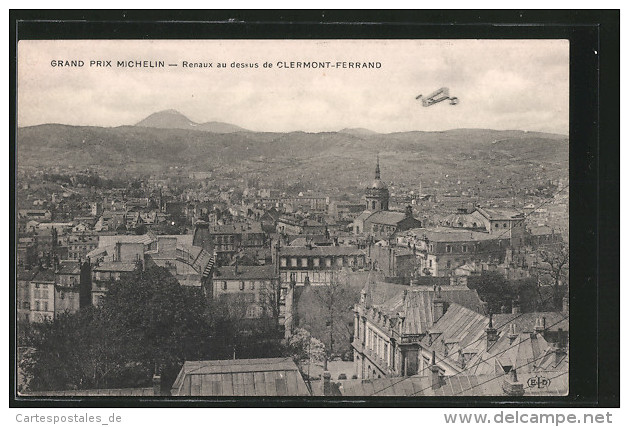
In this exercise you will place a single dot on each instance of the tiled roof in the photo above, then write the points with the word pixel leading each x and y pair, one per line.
pixel 526 351
pixel 525 322
pixel 458 329
pixel 417 305
pixel 244 377
pixel 44 275
pixel 69 267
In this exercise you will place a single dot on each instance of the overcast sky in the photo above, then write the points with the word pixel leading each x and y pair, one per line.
pixel 500 84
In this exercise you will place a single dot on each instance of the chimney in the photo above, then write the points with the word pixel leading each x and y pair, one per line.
pixel 540 325
pixel 513 334
pixel 117 253
pixel 511 386
pixel 157 384
pixel 438 306
pixel 566 304
pixel 560 347
pixel 492 333
pixel 515 307
pixel 327 387
pixel 435 380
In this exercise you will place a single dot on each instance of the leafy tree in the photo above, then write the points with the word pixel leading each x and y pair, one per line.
pixel 147 322
pixel 494 289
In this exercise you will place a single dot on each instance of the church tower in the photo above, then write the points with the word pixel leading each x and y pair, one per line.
pixel 377 195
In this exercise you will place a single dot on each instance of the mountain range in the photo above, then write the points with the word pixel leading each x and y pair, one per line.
pixel 347 157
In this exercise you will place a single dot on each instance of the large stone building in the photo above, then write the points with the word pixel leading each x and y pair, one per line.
pixel 391 320
pixel 317 265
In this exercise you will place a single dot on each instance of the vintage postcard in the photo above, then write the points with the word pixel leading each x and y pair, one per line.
pixel 341 218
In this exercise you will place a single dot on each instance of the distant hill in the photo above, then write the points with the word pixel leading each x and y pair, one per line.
pixel 173 119
pixel 358 131
pixel 325 160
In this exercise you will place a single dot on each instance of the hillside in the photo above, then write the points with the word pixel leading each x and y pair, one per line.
pixel 327 158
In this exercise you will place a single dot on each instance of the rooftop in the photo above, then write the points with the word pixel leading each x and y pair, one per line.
pixel 240 377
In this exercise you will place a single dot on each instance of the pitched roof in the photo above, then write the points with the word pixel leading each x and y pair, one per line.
pixel 44 275
pixel 459 329
pixel 240 377
pixel 525 322
pixel 416 303
pixel 69 267
pixel 527 352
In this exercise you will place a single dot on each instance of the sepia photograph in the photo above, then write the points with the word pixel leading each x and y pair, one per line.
pixel 278 218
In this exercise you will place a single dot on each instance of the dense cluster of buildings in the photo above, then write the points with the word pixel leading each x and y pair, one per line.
pixel 422 324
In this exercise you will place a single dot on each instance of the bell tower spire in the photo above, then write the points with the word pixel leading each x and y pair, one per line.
pixel 377 166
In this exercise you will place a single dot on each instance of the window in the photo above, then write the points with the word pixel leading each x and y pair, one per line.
pixel 36 285
pixel 430 263
pixel 339 261
pixel 328 262
pixel 448 248
pixel 283 262
pixel 293 262
pixel 241 286
pixel 497 225
pixel 45 305
pixel 252 285
pixel 430 247
pixel 304 262
pixel 224 286
pixel 448 264
pixel 504 225
pixel 315 262
pixel 464 248
pixel 36 305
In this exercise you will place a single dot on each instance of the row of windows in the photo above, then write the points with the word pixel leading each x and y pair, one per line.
pixel 41 306
pixel 241 285
pixel 316 262
pixel 40 294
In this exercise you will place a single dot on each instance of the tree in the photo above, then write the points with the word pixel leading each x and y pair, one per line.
pixel 146 323
pixel 494 289
pixel 326 311
pixel 555 264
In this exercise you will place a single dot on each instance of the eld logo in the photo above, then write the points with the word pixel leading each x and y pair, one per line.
pixel 539 382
